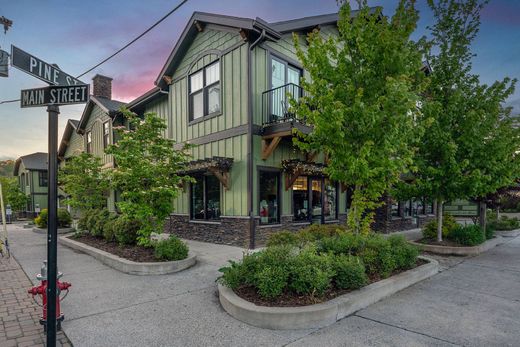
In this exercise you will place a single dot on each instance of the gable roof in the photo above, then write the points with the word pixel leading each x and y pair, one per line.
pixel 190 31
pixel 34 161
pixel 138 103
pixel 108 106
pixel 72 125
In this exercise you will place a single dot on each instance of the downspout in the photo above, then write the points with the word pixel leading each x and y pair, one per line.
pixel 250 158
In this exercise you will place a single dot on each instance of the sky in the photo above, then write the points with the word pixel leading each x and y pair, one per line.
pixel 77 35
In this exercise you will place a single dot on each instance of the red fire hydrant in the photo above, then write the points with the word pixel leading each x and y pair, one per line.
pixel 41 290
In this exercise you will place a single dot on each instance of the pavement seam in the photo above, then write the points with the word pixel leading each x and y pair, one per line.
pixel 405 329
pixel 138 304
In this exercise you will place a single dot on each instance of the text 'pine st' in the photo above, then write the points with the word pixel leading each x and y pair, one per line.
pixel 55 95
pixel 40 69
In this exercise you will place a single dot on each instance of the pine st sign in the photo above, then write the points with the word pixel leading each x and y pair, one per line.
pixel 40 69
pixel 54 95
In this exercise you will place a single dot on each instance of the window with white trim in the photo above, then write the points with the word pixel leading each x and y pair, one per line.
pixel 89 142
pixel 204 92
pixel 106 134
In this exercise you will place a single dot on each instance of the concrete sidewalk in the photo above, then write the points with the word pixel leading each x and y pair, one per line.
pixel 474 301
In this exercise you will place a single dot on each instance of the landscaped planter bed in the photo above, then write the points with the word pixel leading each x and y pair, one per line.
pixel 325 313
pixel 147 265
pixel 451 248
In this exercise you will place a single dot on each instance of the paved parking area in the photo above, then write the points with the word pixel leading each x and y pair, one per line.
pixel 472 302
pixel 19 314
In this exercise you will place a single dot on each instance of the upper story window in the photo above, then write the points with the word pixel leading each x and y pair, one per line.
pixel 204 91
pixel 89 142
pixel 106 134
pixel 42 178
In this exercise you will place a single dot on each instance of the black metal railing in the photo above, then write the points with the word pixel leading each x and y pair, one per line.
pixel 276 107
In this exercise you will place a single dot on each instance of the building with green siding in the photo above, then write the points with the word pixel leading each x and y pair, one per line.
pixel 31 171
pixel 224 89
pixel 94 131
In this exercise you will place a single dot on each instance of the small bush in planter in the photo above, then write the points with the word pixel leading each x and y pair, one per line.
pixel 98 221
pixel 64 218
pixel 350 272
pixel 490 231
pixel 171 249
pixel 126 229
pixel 109 230
pixel 405 254
pixel 311 273
pixel 429 231
pixel 378 256
pixel 283 238
pixel 271 281
pixel 468 235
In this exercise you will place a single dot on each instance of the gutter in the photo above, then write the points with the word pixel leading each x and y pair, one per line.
pixel 252 226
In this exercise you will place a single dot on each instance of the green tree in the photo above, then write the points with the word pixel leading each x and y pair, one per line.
pixel 362 95
pixel 12 194
pixel 147 172
pixel 469 144
pixel 85 182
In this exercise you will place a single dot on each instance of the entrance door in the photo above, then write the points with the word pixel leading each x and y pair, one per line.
pixel 284 79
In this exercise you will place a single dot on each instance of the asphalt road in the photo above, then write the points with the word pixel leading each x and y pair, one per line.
pixel 472 302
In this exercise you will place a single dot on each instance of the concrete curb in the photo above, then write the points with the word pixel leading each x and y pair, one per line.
pixel 508 233
pixel 128 266
pixel 60 230
pixel 448 250
pixel 324 314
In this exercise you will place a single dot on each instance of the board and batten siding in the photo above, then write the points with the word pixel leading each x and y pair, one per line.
pixel 75 146
pixel 234 200
pixel 95 124
pixel 161 108
pixel 233 81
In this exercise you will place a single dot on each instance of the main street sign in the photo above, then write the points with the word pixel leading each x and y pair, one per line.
pixel 40 69
pixel 55 95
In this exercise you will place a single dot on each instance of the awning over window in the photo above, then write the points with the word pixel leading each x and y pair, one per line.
pixel 218 166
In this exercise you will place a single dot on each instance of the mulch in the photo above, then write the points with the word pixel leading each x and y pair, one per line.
pixel 135 253
pixel 291 299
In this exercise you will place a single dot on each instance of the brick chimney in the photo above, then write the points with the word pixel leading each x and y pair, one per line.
pixel 102 86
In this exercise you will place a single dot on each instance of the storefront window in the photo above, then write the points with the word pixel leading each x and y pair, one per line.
pixel 428 206
pixel 407 208
pixel 269 198
pixel 330 201
pixel 205 198
pixel 301 199
pixel 395 208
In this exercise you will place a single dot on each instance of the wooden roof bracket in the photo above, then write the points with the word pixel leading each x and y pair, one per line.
pixel 223 177
pixel 268 148
pixel 290 178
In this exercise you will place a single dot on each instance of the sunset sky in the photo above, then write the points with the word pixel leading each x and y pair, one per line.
pixel 78 34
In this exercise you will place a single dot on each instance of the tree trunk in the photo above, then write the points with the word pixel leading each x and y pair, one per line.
pixel 482 215
pixel 439 220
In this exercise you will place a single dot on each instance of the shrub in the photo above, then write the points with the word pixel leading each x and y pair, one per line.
pixel 311 273
pixel 126 229
pixel 378 256
pixel 468 235
pixel 504 223
pixel 233 276
pixel 449 223
pixel 83 220
pixel 490 231
pixel 316 232
pixel 345 243
pixel 98 221
pixel 282 238
pixel 41 220
pixel 64 218
pixel 109 229
pixel 171 249
pixel 405 254
pixel 271 281
pixel 350 272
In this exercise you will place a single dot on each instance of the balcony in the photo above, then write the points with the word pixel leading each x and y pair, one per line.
pixel 278 120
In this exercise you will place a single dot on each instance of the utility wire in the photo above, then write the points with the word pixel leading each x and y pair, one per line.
pixel 137 38
pixel 123 48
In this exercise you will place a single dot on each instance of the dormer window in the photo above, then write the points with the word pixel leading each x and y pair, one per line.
pixel 204 92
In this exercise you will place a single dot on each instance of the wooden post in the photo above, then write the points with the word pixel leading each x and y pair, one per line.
pixel 482 206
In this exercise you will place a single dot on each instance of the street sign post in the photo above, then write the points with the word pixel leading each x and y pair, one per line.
pixel 64 90
pixel 38 68
pixel 54 95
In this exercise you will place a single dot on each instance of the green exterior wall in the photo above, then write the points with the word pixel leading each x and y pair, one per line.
pixel 30 185
pixel 76 145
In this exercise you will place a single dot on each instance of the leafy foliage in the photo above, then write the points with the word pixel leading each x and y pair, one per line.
pixel 350 272
pixel 85 182
pixel 64 218
pixel 468 235
pixel 6 167
pixel 171 249
pixel 363 91
pixel 429 231
pixel 469 144
pixel 146 173
pixel 12 194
